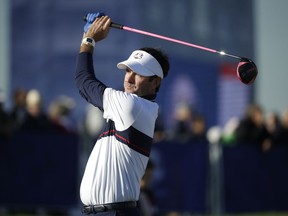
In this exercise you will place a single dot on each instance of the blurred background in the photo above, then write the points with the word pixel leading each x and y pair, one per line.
pixel 221 146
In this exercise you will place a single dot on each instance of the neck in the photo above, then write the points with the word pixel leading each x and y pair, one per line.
pixel 150 97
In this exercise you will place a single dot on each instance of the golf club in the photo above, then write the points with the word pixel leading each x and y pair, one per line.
pixel 246 69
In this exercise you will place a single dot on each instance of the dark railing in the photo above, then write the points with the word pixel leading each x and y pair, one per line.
pixel 39 170
pixel 241 178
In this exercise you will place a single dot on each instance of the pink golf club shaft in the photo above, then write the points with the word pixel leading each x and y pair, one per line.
pixel 126 28
pixel 167 38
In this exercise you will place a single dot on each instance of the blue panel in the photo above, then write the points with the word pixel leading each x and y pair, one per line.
pixel 255 181
pixel 180 184
pixel 39 170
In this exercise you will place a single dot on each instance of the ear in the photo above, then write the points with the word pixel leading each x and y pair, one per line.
pixel 156 83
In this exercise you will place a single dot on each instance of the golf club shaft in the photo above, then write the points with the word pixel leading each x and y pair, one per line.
pixel 126 28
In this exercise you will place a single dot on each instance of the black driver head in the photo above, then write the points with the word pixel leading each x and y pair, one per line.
pixel 247 71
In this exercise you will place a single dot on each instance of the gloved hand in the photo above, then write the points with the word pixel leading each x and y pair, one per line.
pixel 90 19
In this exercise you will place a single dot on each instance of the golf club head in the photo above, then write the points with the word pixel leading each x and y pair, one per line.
pixel 247 71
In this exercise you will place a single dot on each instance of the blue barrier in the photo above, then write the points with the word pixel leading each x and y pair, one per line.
pixel 39 170
pixel 255 181
pixel 252 181
pixel 181 181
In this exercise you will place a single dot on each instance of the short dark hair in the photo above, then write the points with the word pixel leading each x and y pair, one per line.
pixel 160 56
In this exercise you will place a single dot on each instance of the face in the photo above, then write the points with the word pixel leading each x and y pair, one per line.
pixel 140 85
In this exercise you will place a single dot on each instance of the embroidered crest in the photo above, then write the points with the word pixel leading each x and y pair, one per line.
pixel 138 55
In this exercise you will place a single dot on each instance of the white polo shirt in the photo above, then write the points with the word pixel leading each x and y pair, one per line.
pixel 120 155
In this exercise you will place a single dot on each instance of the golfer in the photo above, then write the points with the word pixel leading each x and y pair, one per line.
pixel 111 181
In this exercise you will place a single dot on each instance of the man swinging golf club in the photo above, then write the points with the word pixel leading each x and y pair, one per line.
pixel 111 181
